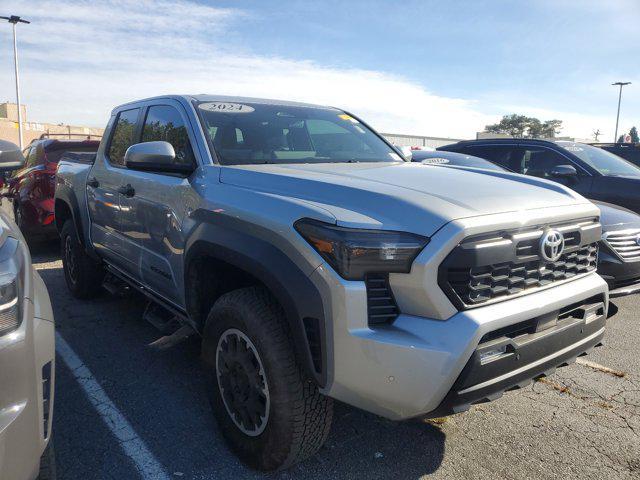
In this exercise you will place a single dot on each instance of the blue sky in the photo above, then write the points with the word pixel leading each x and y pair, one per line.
pixel 424 67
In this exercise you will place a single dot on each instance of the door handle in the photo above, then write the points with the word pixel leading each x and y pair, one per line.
pixel 93 182
pixel 127 190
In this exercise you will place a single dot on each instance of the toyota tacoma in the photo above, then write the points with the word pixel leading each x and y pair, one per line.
pixel 317 264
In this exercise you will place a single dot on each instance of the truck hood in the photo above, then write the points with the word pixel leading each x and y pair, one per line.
pixel 401 196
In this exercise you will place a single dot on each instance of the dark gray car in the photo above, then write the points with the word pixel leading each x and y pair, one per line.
pixel 590 171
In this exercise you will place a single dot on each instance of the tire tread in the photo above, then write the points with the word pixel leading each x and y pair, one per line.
pixel 311 412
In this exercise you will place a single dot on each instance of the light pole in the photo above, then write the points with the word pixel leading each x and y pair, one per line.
pixel 621 84
pixel 13 19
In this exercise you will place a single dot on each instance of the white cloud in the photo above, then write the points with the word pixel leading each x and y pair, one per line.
pixel 82 58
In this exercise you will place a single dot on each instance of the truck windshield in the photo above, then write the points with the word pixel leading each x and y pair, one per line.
pixel 606 163
pixel 255 133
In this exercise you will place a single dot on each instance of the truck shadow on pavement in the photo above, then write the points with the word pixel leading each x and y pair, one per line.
pixel 162 394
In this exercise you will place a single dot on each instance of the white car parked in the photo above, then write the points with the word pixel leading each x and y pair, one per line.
pixel 27 351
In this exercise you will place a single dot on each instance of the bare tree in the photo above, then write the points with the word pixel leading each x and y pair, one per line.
pixel 596 134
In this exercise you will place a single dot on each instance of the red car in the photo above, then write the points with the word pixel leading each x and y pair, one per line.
pixel 30 189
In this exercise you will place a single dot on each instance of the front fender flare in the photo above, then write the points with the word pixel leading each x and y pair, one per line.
pixel 296 293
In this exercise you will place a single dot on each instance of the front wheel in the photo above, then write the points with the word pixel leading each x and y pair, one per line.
pixel 82 274
pixel 271 414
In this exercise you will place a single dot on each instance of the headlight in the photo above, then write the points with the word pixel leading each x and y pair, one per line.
pixel 354 252
pixel 11 280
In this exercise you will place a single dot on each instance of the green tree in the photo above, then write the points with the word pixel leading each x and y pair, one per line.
pixel 550 128
pixel 535 128
pixel 522 126
pixel 634 135
pixel 514 125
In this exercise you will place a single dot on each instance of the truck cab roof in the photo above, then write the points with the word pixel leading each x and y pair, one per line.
pixel 226 98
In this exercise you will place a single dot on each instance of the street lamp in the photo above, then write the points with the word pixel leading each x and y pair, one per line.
pixel 13 19
pixel 621 84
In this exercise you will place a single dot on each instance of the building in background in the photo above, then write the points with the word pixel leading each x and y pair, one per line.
pixel 403 140
pixel 35 130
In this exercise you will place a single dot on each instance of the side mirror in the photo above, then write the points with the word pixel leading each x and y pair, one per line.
pixel 564 171
pixel 11 157
pixel 154 157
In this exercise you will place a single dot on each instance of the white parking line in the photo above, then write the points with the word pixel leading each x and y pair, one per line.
pixel 133 446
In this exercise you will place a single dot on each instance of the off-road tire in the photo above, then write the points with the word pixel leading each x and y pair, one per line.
pixel 82 274
pixel 299 417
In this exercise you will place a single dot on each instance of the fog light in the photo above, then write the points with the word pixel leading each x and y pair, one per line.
pixel 492 353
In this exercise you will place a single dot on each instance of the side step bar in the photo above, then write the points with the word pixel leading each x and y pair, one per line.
pixel 181 315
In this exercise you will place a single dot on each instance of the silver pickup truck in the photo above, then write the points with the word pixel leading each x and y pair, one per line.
pixel 317 264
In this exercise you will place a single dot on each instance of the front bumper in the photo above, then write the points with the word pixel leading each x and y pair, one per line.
pixel 420 366
pixel 510 358
pixel 623 278
pixel 27 365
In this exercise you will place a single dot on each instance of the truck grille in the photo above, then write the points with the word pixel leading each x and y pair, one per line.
pixel 494 266
pixel 624 244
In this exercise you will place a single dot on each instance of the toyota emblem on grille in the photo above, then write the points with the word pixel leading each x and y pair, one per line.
pixel 638 240
pixel 551 245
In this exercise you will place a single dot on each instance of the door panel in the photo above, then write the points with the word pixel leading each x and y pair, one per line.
pixel 104 211
pixel 153 216
pixel 152 225
pixel 103 198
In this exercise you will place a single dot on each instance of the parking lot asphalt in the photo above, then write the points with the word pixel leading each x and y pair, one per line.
pixel 123 409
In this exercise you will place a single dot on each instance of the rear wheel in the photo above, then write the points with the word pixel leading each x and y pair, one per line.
pixel 271 414
pixel 82 274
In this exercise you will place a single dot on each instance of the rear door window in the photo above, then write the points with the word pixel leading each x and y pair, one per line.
pixel 164 123
pixel 506 156
pixel 123 135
